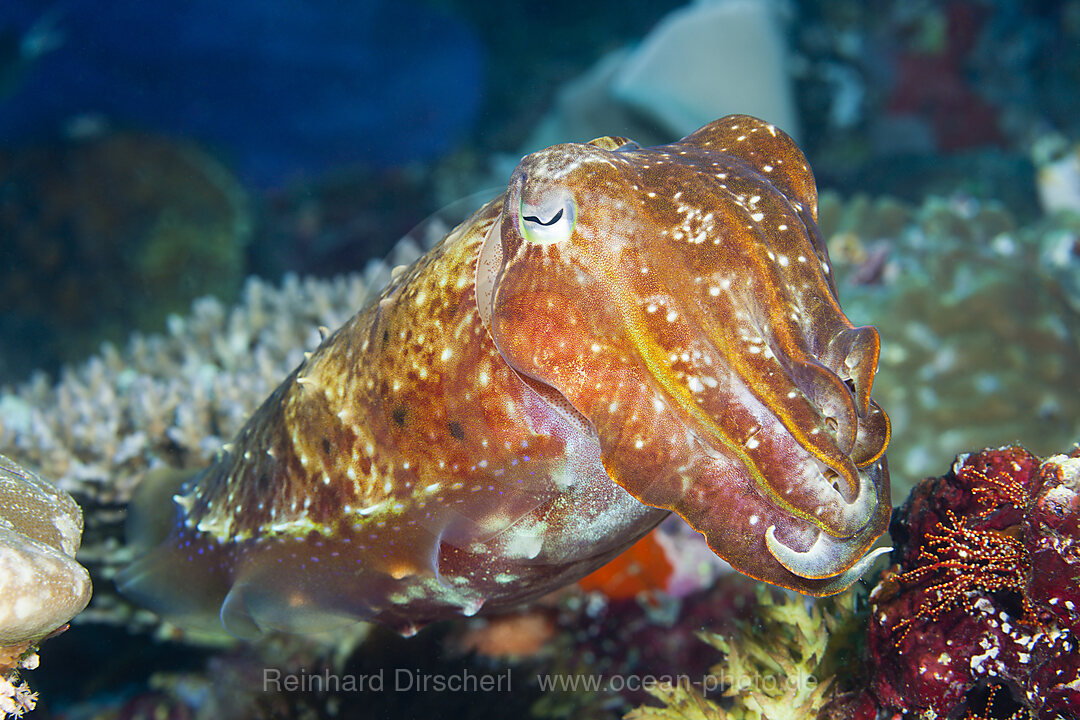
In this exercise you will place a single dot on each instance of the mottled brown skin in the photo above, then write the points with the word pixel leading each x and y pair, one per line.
pixel 625 332
pixel 410 460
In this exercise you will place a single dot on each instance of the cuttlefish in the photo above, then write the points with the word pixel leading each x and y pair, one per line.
pixel 624 333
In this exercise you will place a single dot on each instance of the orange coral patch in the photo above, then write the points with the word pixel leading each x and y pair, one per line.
pixel 643 567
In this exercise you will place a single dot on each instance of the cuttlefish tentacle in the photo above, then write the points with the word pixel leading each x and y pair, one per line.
pixel 854 352
pixel 849 352
pixel 783 254
pixel 803 411
pixel 820 412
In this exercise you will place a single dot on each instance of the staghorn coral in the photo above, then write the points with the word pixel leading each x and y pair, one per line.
pixel 980 612
pixel 170 400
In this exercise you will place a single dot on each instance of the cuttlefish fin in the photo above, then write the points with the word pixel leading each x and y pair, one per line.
pixel 180 584
pixel 162 567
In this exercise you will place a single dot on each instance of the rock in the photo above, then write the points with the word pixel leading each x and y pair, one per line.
pixel 41 585
pixel 982 607
pixel 709 59
pixel 702 61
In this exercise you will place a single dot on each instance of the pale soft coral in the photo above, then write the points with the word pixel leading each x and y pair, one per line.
pixel 16 699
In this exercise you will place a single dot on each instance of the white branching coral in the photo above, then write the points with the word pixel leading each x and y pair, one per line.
pixel 173 399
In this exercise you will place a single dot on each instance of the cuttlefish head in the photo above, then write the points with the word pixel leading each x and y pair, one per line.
pixel 677 302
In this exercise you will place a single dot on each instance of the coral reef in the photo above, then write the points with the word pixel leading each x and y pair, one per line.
pixel 910 97
pixel 978 338
pixel 1057 166
pixel 512 636
pixel 651 636
pixel 169 400
pixel 672 560
pixel 983 604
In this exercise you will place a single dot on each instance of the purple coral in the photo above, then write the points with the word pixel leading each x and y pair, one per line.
pixel 982 606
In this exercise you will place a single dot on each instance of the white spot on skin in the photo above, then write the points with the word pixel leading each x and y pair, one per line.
pixel 446 354
pixel 752 443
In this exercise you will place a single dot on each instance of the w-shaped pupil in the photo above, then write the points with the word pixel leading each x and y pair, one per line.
pixel 538 221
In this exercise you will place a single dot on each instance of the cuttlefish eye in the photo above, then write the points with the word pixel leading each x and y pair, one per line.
pixel 551 220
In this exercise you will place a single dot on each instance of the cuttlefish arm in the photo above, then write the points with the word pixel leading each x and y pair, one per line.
pixel 680 299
